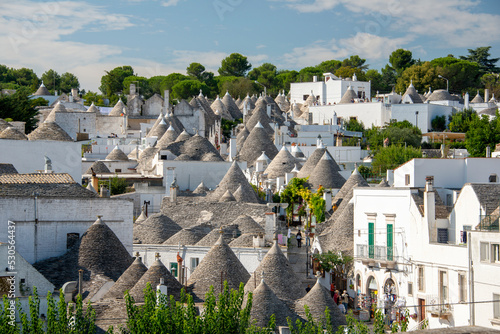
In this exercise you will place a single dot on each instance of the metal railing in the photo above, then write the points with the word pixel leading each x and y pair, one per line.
pixel 489 223
pixel 379 253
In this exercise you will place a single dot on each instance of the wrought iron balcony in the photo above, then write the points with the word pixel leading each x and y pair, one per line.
pixel 373 253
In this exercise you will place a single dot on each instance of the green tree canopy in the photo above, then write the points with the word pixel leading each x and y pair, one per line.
pixel 20 107
pixel 402 133
pixel 482 132
pixel 112 81
pixel 195 70
pixel 329 66
pixel 481 56
pixel 356 62
pixel 460 120
pixel 186 89
pixel 52 80
pixel 234 65
pixel 400 60
pixel 69 81
pixel 141 83
pixel 393 156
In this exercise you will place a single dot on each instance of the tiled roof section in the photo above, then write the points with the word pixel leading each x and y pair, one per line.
pixel 38 178
pixel 488 195
pixel 442 211
pixel 7 169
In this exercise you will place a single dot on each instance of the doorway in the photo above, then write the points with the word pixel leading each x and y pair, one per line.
pixel 421 309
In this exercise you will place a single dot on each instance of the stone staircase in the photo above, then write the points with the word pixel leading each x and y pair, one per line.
pixel 297 258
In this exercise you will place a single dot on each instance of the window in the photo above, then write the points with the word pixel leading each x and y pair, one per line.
pixel 462 288
pixel 304 97
pixel 443 286
pixel 410 288
pixel 421 286
pixel 71 239
pixel 493 178
pixel 496 306
pixel 484 251
pixel 390 219
pixel 173 268
pixel 163 157
pixel 118 170
pixel 407 179
pixel 194 263
pixel 371 217
pixel 442 235
pixel 353 118
pixel 495 253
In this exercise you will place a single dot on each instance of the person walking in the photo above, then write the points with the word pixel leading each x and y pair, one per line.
pixel 332 289
pixel 345 300
pixel 299 239
pixel 336 297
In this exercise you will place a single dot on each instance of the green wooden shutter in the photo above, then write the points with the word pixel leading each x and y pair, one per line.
pixel 390 241
pixel 371 240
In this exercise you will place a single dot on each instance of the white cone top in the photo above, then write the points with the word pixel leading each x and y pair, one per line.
pixel 349 88
pixel 92 105
pixel 355 172
pixel 91 187
pixel 493 98
pixel 411 83
pixel 160 116
pixel 259 125
pixel 218 98
pixel 248 95
pixel 326 156
pixel 201 94
pixel 295 169
pixel 171 128
pixel 217 112
pixel 163 122
pixel 263 157
pixel 321 144
pixel 296 149
pixel 98 221
pixel 283 148
pixel 42 85
pixel 116 148
pixel 227 93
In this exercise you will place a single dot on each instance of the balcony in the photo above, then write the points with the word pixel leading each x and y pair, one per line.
pixel 371 255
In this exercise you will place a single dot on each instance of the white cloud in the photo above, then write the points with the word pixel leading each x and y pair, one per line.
pixel 363 44
pixel 452 23
pixel 169 3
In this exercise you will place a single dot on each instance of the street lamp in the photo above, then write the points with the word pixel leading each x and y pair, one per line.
pixel 440 76
pixel 265 89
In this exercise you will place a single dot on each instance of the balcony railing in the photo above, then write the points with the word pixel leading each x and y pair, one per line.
pixel 377 253
pixel 489 223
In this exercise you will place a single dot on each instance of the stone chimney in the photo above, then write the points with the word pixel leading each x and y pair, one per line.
pixel 166 102
pixel 174 189
pixel 74 92
pixel 132 90
pixel 270 226
pixel 488 152
pixel 430 208
pixel 466 100
pixel 327 196
pixel 268 109
pixel 232 148
pixel 486 95
pixel 161 289
pixel 104 192
pixel 48 165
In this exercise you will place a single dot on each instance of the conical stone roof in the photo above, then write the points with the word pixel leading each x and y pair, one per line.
pixel 279 276
pixel 440 95
pixel 118 109
pixel 117 155
pixel 412 92
pixel 220 261
pixel 169 137
pixel 218 106
pixel 127 280
pixel 101 252
pixel 355 179
pixel 201 189
pixel 259 115
pixel 58 108
pixel 229 233
pixel 155 229
pixel 231 106
pixel 3 125
pixel 49 131
pixel 134 154
pixel 241 137
pixel 13 134
pixel 265 303
pixel 153 276
pixel 247 224
pixel 183 136
pixel 195 148
pixel 339 236
pixel 227 197
pixel 187 237
pixel 257 141
pixel 477 99
pixel 238 101
pixel 282 163
pixel 297 152
pixel 248 102
pixel 93 108
pixel 159 130
pixel 325 174
pixel 348 96
pixel 312 161
pixel 318 299
pixel 233 179
pixel 142 217
pixel 99 168
pixel 244 240
pixel 383 184
pixel 42 91
pixel 155 124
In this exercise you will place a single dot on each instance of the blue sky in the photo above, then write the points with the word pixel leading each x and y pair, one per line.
pixel 158 37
